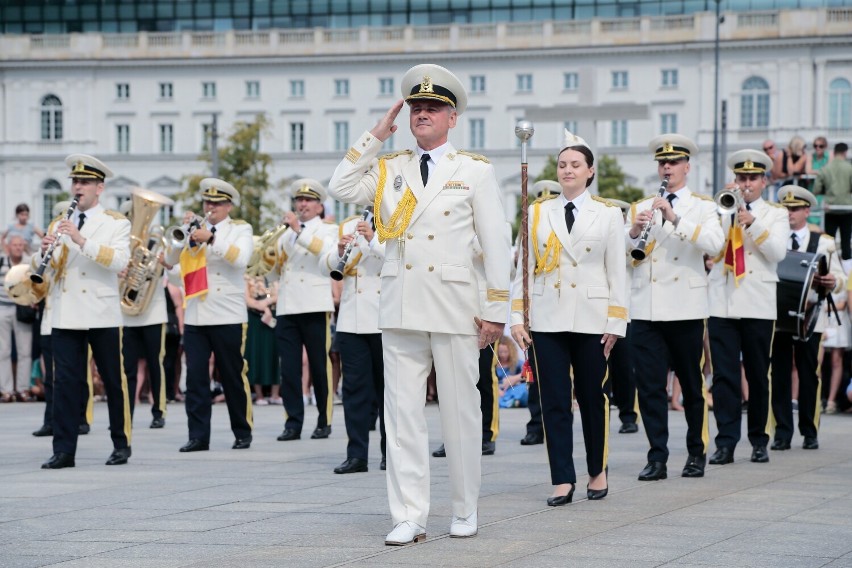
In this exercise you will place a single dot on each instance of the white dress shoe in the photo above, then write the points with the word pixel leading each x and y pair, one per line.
pixel 462 527
pixel 404 533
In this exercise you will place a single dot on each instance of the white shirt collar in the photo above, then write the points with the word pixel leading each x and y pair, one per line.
pixel 679 194
pixel 435 154
pixel 577 201
pixel 90 213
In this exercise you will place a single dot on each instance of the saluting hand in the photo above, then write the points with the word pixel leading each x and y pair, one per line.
pixel 386 126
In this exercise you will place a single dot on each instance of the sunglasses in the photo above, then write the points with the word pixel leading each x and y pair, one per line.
pixel 768 148
pixel 819 145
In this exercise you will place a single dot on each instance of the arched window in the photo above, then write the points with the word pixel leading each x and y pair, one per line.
pixel 754 103
pixel 51 118
pixel 51 192
pixel 839 104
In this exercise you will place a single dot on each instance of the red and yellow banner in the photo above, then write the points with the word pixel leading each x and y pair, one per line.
pixel 735 253
pixel 193 271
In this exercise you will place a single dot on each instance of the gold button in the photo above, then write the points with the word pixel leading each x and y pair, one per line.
pixel 431 268
pixel 359 291
pixel 431 237
pixel 408 266
pixel 573 264
pixel 676 278
pixel 410 236
pixel 588 249
pixel 675 258
pixel 653 280
pixel 378 291
pixel 655 260
pixel 749 253
pixel 446 213
pixel 749 271
pixel 360 273
pixel 573 285
pixel 83 273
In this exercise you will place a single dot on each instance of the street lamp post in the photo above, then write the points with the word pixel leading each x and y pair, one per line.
pixel 717 175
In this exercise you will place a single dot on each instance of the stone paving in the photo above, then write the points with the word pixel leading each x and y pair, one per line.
pixel 279 504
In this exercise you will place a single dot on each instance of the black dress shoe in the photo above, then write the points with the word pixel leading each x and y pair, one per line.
pixel 242 443
pixel 440 452
pixel 810 443
pixel 384 465
pixel 653 471
pixel 158 422
pixel 289 434
pixel 628 428
pixel 45 430
pixel 596 494
pixel 488 448
pixel 532 440
pixel 759 454
pixel 119 456
pixel 195 445
pixel 780 445
pixel 694 466
pixel 352 465
pixel 722 456
pixel 321 432
pixel 562 499
pixel 58 461
pixel 83 429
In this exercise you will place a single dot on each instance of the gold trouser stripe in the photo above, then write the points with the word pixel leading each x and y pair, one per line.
pixel 705 423
pixel 818 401
pixel 90 403
pixel 606 413
pixel 329 400
pixel 161 399
pixel 244 378
pixel 495 394
pixel 128 421
pixel 770 423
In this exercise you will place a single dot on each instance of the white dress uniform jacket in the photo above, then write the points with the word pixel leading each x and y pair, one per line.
pixel 764 243
pixel 85 294
pixel 429 282
pixel 359 303
pixel 586 292
pixel 670 284
pixel 304 287
pixel 227 258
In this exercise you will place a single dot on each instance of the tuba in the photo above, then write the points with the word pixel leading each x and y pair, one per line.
pixel 264 257
pixel 146 243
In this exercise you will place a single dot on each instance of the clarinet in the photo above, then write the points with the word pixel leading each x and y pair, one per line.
pixel 37 276
pixel 337 273
pixel 638 253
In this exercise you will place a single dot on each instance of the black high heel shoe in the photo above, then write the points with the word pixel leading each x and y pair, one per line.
pixel 597 494
pixel 562 499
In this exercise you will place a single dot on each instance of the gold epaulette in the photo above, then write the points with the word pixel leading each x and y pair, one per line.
pixel 773 204
pixel 238 222
pixel 647 197
pixel 547 197
pixel 702 196
pixel 340 229
pixel 115 214
pixel 329 222
pixel 827 236
pixel 473 156
pixel 605 201
pixel 395 154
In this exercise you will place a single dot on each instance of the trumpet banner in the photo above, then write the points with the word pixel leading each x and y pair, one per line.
pixel 735 253
pixel 193 271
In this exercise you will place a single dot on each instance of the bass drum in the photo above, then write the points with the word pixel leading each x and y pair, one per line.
pixel 796 314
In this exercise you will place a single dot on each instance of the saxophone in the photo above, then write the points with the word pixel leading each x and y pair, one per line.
pixel 146 243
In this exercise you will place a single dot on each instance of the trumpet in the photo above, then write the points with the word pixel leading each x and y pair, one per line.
pixel 638 253
pixel 729 201
pixel 176 237
pixel 37 276
pixel 337 273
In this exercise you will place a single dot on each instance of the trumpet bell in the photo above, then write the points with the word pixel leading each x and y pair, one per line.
pixel 726 202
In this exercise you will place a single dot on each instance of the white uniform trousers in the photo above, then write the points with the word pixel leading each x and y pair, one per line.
pixel 23 332
pixel 408 358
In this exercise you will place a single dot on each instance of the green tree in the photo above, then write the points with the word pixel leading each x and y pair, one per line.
pixel 612 183
pixel 245 167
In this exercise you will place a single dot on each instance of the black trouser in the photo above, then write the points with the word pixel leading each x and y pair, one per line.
pixel 148 343
pixel 47 355
pixel 842 221
pixel 656 346
pixel 728 339
pixel 292 332
pixel 534 426
pixel 622 380
pixel 558 356
pixel 785 350
pixel 71 367
pixel 170 361
pixel 363 387
pixel 227 343
pixel 487 387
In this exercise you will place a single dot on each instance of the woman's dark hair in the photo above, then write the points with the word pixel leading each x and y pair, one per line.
pixel 22 208
pixel 590 158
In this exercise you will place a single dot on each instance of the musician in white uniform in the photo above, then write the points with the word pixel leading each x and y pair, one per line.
pixel 743 307
pixel 785 349
pixel 430 203
pixel 92 247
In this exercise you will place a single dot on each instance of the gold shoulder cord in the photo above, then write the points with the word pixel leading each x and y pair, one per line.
pixel 402 214
pixel 552 251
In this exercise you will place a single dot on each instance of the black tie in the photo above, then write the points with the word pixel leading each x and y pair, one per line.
pixel 795 241
pixel 81 220
pixel 671 197
pixel 748 206
pixel 424 168
pixel 569 216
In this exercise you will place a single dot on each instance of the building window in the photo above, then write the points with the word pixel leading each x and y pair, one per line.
pixel 341 87
pixel 206 135
pixel 839 104
pixel 571 81
pixel 477 83
pixel 208 90
pixel 51 118
pixel 618 133
pixel 122 138
pixel 668 123
pixel 386 86
pixel 669 78
pixel 252 89
pixel 619 80
pixel 297 88
pixel 570 126
pixel 51 190
pixel 524 83
pixel 166 91
pixel 297 136
pixel 167 139
pixel 341 135
pixel 122 91
pixel 477 133
pixel 754 103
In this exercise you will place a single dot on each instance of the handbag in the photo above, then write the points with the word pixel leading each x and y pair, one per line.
pixel 25 314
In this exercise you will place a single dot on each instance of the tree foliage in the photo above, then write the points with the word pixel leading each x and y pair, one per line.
pixel 244 166
pixel 612 181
